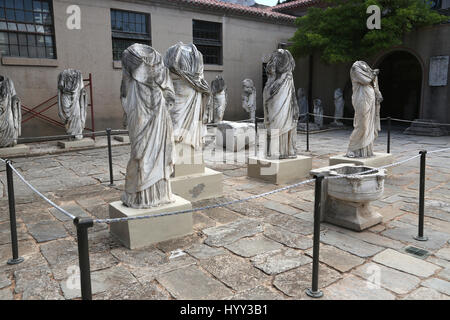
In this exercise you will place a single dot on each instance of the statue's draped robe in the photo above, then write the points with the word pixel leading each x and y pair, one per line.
pixel 147 93
pixel 219 98
pixel 303 105
pixel 280 105
pixel 192 93
pixel 249 98
pixel 72 102
pixel 366 101
pixel 338 105
pixel 10 113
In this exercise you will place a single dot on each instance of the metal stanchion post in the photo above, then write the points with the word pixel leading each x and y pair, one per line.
pixel 111 174
pixel 307 132
pixel 420 236
pixel 82 226
pixel 389 135
pixel 314 292
pixel 12 216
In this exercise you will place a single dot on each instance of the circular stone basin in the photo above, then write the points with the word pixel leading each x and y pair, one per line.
pixel 357 186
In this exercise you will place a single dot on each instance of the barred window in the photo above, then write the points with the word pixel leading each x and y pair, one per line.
pixel 27 29
pixel 129 28
pixel 208 40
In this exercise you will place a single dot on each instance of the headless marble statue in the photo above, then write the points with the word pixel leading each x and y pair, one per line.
pixel 302 104
pixel 318 113
pixel 366 101
pixel 72 102
pixel 249 98
pixel 147 94
pixel 338 107
pixel 219 98
pixel 280 106
pixel 10 114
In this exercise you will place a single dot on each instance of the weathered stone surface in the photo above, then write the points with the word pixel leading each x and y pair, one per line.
pixel 26 248
pixel 290 239
pixel 291 224
pixel 445 274
pixel 250 247
pixel 425 294
pixel 396 281
pixel 5 232
pixel 281 208
pixel 221 215
pixel 36 284
pixel 337 259
pixel 72 208
pixel 258 293
pixel 134 291
pixel 36 216
pixel 200 221
pixel 191 283
pixel 405 263
pixel 235 272
pixel 443 254
pixel 279 261
pixel 349 244
pixel 436 239
pixel 47 230
pixel 6 294
pixel 294 283
pixel 353 288
pixel 373 238
pixel 229 233
pixel 178 243
pixel 438 285
pixel 202 251
pixel 4 281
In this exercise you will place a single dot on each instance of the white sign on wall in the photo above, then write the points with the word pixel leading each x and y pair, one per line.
pixel 438 71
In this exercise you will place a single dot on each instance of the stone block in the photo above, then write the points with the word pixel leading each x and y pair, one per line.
pixel 123 139
pixel 188 161
pixel 198 186
pixel 377 161
pixel 279 171
pixel 86 142
pixel 13 151
pixel 235 136
pixel 141 233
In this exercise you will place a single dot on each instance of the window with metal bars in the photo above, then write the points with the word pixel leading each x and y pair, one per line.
pixel 129 28
pixel 208 40
pixel 27 29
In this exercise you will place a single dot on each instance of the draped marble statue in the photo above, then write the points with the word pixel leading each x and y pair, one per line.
pixel 318 112
pixel 280 106
pixel 10 114
pixel 192 93
pixel 147 95
pixel 302 104
pixel 219 98
pixel 366 101
pixel 338 106
pixel 249 98
pixel 72 102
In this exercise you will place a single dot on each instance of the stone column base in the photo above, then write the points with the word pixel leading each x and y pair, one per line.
pixel 198 186
pixel 86 142
pixel 141 233
pixel 378 160
pixel 12 151
pixel 124 139
pixel 279 171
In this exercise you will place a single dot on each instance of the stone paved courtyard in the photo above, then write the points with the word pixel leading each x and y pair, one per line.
pixel 260 249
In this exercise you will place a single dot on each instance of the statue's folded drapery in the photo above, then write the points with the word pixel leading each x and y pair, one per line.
pixel 147 94
pixel 249 97
pixel 366 101
pixel 10 113
pixel 192 93
pixel 280 105
pixel 219 100
pixel 72 102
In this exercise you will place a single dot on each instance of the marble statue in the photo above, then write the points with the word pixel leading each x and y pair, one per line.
pixel 366 101
pixel 302 104
pixel 208 116
pixel 72 102
pixel 147 95
pixel 192 93
pixel 249 98
pixel 338 107
pixel 10 114
pixel 318 112
pixel 280 106
pixel 219 98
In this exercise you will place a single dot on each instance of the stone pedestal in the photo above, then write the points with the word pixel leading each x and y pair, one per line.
pixel 198 186
pixel 426 127
pixel 235 136
pixel 351 215
pixel 12 151
pixel 378 160
pixel 141 233
pixel 86 142
pixel 124 139
pixel 279 171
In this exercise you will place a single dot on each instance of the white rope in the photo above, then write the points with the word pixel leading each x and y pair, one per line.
pixel 440 150
pixel 420 122
pixel 41 195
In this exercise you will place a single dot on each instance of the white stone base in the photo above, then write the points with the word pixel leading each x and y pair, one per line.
pixel 279 171
pixel 12 151
pixel 86 142
pixel 141 233
pixel 124 139
pixel 354 216
pixel 199 186
pixel 378 160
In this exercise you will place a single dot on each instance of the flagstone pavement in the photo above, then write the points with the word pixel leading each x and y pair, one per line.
pixel 261 249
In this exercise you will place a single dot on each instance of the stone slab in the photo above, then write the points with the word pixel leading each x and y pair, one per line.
pixel 290 239
pixel 279 261
pixel 250 247
pixel 438 285
pixel 123 139
pixel 47 230
pixel 353 288
pixel 425 294
pixel 200 186
pixel 349 244
pixel 202 251
pixel 405 263
pixel 231 232
pixel 279 171
pixel 12 151
pixel 378 160
pixel 337 259
pixel 86 142
pixel 258 293
pixel 141 233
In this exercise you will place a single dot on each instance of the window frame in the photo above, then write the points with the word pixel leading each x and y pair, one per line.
pixel 208 42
